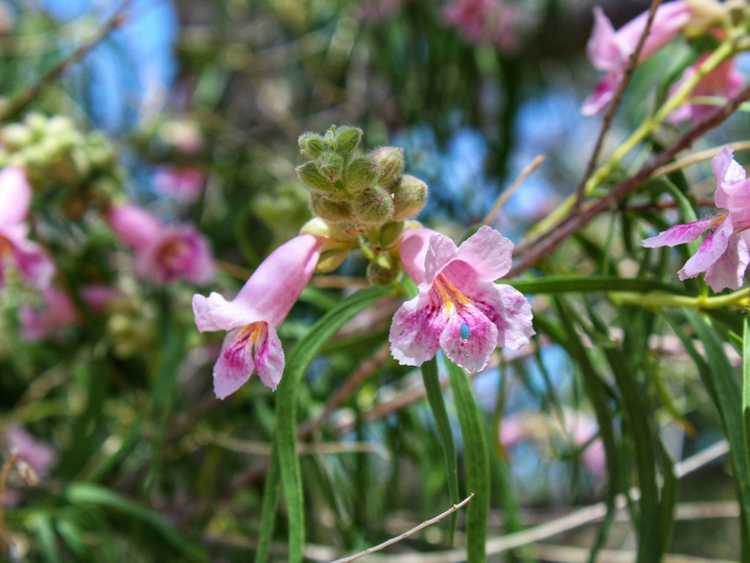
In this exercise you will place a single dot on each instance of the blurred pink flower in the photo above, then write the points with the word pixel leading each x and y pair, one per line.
pixel 184 184
pixel 492 21
pixel 513 430
pixel 38 455
pixel 163 253
pixel 583 428
pixel 16 250
pixel 610 50
pixel 724 253
pixel 56 312
pixel 99 296
pixel 380 10
pixel 251 318
pixel 725 81
pixel 459 307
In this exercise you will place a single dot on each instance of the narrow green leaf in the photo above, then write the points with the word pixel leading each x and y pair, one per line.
pixel 45 535
pixel 286 407
pixel 271 491
pixel 570 284
pixel 476 462
pixel 445 434
pixel 746 388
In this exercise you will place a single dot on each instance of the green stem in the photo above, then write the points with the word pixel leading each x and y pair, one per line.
pixel 658 300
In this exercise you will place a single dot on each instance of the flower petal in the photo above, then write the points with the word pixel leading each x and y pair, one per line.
pixel 710 251
pixel 15 196
pixel 235 364
pixel 269 358
pixel 30 259
pixel 276 284
pixel 726 169
pixel 488 252
pixel 669 19
pixel 729 270
pixel 509 310
pixel 603 49
pixel 679 234
pixel 413 250
pixel 216 313
pixel 415 330
pixel 469 339
pixel 603 93
pixel 440 251
pixel 134 226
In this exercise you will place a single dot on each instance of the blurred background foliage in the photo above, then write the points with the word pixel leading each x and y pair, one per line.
pixel 149 466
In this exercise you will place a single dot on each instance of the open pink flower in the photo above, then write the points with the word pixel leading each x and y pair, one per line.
pixel 36 454
pixel 183 184
pixel 251 318
pixel 725 81
pixel 724 253
pixel 610 50
pixel 459 307
pixel 16 250
pixel 55 313
pixel 493 21
pixel 164 253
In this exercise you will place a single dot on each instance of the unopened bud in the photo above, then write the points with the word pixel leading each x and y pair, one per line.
pixel 361 174
pixel 705 14
pixel 390 161
pixel 347 139
pixel 36 123
pixel 316 227
pixel 312 145
pixel 331 166
pixel 16 136
pixel 379 274
pixel 309 174
pixel 344 231
pixel 390 232
pixel 330 260
pixel 409 197
pixel 329 209
pixel 374 206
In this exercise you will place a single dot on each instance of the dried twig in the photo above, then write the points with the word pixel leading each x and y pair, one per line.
pixel 408 533
pixel 577 220
pixel 19 102
pixel 510 190
pixel 615 103
pixel 699 157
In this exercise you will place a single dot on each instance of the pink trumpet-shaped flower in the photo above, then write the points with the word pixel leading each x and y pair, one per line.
pixel 55 313
pixel 492 21
pixel 36 453
pixel 609 50
pixel 725 81
pixel 183 184
pixel 459 307
pixel 724 254
pixel 16 250
pixel 251 318
pixel 164 253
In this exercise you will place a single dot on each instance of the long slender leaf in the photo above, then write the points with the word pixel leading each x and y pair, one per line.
pixel 476 462
pixel 571 284
pixel 286 407
pixel 271 491
pixel 440 414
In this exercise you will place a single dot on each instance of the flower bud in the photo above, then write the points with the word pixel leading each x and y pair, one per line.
pixel 390 232
pixel 390 162
pixel 316 227
pixel 16 136
pixel 361 174
pixel 331 166
pixel 347 139
pixel 344 231
pixel 36 123
pixel 373 206
pixel 704 15
pixel 409 197
pixel 309 174
pixel 312 145
pixel 378 274
pixel 330 260
pixel 329 209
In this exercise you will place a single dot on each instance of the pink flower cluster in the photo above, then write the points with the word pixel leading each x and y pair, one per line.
pixel 459 307
pixel 39 456
pixel 184 184
pixel 724 254
pixel 486 21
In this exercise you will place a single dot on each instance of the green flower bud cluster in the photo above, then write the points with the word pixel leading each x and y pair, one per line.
pixel 54 152
pixel 358 200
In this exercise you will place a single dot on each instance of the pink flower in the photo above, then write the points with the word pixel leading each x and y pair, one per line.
pixel 36 453
pixel 485 21
pixel 725 81
pixel 724 254
pixel 251 318
pixel 513 430
pixel 459 307
pixel 99 296
pixel 16 250
pixel 583 428
pixel 164 253
pixel 55 313
pixel 184 184
pixel 610 50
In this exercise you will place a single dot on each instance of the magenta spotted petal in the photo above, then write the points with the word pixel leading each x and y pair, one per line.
pixel 709 252
pixel 729 270
pixel 679 234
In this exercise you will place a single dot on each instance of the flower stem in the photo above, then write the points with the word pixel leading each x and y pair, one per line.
pixel 658 300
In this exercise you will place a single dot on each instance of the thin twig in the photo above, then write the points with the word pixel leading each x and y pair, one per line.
pixel 408 533
pixel 699 157
pixel 318 448
pixel 510 190
pixel 576 221
pixel 615 103
pixel 19 102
